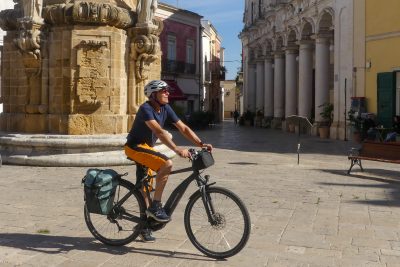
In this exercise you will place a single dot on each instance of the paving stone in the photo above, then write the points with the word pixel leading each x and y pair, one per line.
pixel 312 214
pixel 371 243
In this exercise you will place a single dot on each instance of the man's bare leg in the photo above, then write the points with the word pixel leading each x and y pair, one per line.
pixel 162 178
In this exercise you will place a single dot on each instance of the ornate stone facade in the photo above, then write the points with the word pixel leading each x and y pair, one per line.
pixel 75 67
pixel 298 56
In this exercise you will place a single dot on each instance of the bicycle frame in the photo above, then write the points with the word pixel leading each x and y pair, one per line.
pixel 180 190
pixel 176 195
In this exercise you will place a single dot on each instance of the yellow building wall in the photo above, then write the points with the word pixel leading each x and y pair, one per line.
pixel 382 44
pixel 229 98
pixel 384 56
pixel 382 16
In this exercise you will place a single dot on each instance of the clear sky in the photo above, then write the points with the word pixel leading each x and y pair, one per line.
pixel 227 17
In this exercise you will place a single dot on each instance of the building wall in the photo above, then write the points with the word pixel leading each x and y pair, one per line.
pixel 229 98
pixel 212 52
pixel 184 25
pixel 343 51
pixel 306 44
pixel 183 33
pixel 359 48
pixel 382 44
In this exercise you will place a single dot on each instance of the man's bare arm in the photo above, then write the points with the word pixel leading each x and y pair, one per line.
pixel 190 135
pixel 165 138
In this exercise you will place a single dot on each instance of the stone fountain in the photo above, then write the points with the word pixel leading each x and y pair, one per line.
pixel 73 74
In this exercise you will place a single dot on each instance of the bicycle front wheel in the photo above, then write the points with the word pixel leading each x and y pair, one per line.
pixel 229 228
pixel 123 224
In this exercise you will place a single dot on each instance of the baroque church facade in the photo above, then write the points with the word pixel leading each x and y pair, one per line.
pixel 298 56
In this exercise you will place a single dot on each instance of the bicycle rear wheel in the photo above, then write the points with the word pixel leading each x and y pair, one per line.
pixel 228 231
pixel 123 224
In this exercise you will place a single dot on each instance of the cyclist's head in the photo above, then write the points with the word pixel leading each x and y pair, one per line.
pixel 158 91
pixel 154 86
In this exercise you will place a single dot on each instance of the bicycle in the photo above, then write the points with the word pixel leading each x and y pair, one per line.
pixel 216 220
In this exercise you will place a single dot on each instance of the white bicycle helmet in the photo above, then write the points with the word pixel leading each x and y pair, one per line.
pixel 154 86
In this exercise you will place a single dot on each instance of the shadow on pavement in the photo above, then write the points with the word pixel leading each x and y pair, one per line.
pixel 241 138
pixel 49 244
pixel 387 179
pixel 379 175
pixel 243 163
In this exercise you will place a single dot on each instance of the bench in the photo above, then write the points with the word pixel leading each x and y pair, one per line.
pixel 376 151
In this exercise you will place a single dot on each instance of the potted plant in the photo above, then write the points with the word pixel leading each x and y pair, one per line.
pixel 259 117
pixel 327 118
pixel 356 124
pixel 248 118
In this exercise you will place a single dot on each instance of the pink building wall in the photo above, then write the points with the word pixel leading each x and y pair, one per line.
pixel 182 33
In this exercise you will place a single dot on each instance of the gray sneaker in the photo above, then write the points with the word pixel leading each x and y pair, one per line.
pixel 158 213
pixel 145 236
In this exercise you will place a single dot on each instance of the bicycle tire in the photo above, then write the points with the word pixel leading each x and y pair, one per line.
pixel 192 217
pixel 107 228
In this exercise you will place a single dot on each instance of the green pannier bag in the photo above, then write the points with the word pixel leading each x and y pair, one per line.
pixel 99 189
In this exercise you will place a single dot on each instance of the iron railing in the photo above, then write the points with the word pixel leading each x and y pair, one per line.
pixel 174 66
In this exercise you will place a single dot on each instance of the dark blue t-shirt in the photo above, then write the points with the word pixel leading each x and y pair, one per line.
pixel 140 132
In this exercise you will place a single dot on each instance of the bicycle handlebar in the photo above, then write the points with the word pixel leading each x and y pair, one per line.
pixel 193 152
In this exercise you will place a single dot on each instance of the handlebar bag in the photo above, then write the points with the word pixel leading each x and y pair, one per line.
pixel 99 190
pixel 204 159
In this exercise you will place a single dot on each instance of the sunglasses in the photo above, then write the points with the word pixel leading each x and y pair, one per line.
pixel 164 90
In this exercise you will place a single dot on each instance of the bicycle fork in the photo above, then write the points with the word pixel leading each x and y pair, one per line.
pixel 208 204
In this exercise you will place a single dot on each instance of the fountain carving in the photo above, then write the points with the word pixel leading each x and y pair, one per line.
pixel 77 68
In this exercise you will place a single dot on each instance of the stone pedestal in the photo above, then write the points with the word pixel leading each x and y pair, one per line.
pixel 67 150
pixel 73 68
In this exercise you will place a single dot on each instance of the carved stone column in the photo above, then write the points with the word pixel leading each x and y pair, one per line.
pixel 305 78
pixel 321 74
pixel 29 41
pixel 269 88
pixel 279 88
pixel 251 89
pixel 260 85
pixel 245 84
pixel 144 51
pixel 291 82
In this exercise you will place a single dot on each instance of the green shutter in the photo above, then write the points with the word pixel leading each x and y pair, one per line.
pixel 386 98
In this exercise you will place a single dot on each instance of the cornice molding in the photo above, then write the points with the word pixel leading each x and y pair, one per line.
pixel 381 36
pixel 89 13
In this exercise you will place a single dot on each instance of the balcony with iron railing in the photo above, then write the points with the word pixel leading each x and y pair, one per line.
pixel 214 71
pixel 178 67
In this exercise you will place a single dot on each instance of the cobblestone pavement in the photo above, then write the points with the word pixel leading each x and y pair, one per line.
pixel 311 214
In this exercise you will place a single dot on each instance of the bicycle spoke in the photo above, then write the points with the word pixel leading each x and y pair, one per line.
pixel 227 229
pixel 119 227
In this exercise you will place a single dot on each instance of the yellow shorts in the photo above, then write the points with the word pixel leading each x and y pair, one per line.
pixel 146 155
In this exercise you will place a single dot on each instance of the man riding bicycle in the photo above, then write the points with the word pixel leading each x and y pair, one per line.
pixel 146 129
